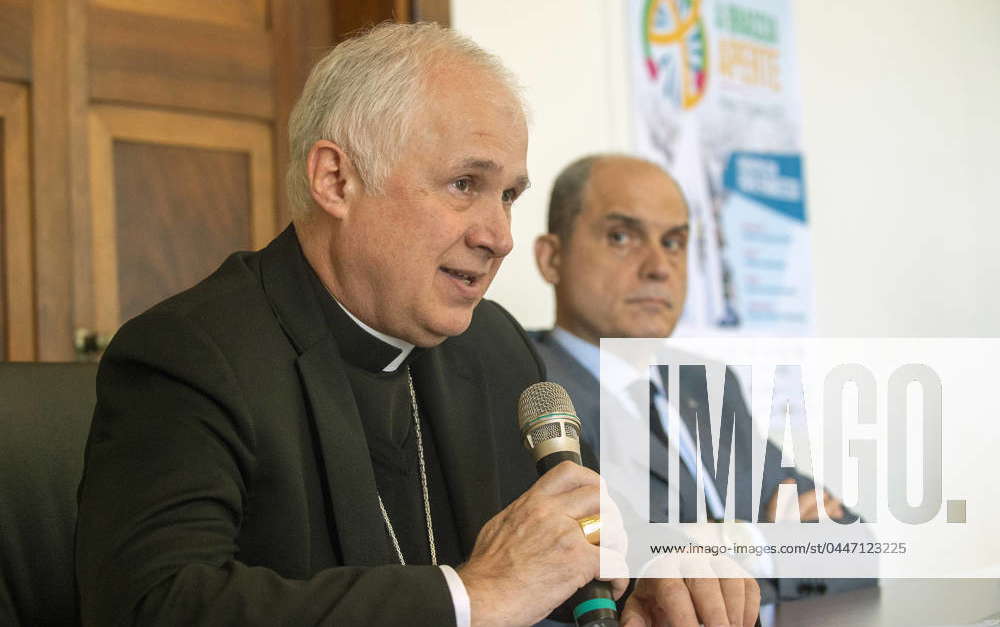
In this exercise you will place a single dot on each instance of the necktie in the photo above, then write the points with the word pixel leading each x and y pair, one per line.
pixel 689 457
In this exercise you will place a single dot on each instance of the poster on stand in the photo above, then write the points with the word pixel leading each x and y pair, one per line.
pixel 715 93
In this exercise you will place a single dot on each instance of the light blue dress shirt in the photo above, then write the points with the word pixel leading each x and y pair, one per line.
pixel 589 357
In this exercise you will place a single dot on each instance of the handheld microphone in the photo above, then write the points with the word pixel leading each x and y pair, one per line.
pixel 550 430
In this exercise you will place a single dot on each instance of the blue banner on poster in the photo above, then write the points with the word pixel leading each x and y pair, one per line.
pixel 772 180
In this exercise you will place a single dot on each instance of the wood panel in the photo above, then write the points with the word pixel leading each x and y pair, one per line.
pixel 302 33
pixel 432 11
pixel 350 17
pixel 110 124
pixel 4 298
pixel 178 213
pixel 15 40
pixel 249 14
pixel 181 64
pixel 17 302
pixel 60 175
pixel 402 11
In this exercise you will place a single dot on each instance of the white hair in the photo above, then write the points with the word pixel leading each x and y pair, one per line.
pixel 363 94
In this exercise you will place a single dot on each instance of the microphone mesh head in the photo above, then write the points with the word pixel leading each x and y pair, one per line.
pixel 540 399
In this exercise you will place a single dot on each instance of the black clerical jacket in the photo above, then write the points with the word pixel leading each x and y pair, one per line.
pixel 228 480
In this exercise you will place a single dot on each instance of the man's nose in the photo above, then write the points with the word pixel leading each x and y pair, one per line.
pixel 491 229
pixel 656 263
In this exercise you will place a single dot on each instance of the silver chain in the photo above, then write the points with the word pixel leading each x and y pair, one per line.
pixel 423 485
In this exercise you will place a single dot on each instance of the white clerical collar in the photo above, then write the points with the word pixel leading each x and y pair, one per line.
pixel 404 347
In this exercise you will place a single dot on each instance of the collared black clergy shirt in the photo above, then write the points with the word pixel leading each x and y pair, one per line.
pixel 383 400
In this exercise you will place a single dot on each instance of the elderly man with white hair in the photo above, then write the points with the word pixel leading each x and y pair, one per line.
pixel 322 432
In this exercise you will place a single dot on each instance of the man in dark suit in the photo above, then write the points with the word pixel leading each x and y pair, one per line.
pixel 322 432
pixel 616 254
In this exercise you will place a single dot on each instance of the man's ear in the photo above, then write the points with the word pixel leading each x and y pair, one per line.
pixel 333 180
pixel 548 256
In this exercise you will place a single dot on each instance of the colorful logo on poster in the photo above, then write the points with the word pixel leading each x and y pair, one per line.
pixel 673 37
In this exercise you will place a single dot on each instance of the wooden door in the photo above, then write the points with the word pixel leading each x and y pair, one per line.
pixel 142 141
pixel 168 109
pixel 17 303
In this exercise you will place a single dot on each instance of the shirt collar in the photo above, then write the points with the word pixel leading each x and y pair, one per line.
pixel 583 351
pixel 361 345
pixel 618 376
pixel 404 347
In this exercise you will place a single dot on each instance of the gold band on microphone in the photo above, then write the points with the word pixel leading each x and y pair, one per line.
pixel 591 527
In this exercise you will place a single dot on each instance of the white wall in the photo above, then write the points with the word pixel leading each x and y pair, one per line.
pixel 570 56
pixel 902 133
pixel 901 138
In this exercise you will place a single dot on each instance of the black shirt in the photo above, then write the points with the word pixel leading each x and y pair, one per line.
pixel 383 400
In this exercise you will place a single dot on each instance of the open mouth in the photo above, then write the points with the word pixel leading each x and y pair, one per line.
pixel 465 277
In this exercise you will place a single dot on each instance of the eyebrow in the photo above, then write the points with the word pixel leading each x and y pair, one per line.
pixel 522 182
pixel 636 223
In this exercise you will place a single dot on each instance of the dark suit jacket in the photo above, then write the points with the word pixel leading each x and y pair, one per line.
pixel 584 390
pixel 227 477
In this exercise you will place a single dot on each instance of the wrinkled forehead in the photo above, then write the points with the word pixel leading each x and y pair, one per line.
pixel 638 190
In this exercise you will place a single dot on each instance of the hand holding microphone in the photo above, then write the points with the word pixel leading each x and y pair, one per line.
pixel 537 552
pixel 533 555
pixel 550 431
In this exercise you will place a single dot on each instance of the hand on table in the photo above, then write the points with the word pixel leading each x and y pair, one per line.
pixel 808 507
pixel 692 602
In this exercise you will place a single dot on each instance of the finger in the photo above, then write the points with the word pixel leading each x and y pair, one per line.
pixel 633 620
pixel 772 508
pixel 662 567
pixel 728 568
pixel 834 510
pixel 807 507
pixel 612 527
pixel 577 503
pixel 675 604
pixel 613 568
pixel 633 614
pixel 751 608
pixel 565 477
pixel 618 588
pixel 734 596
pixel 609 508
pixel 706 595
pixel 613 533
pixel 772 505
pixel 834 506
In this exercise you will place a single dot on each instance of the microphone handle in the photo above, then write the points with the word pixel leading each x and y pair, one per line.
pixel 593 604
pixel 552 460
